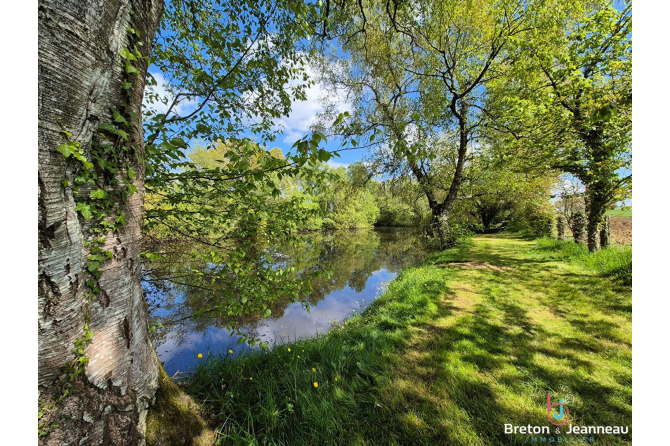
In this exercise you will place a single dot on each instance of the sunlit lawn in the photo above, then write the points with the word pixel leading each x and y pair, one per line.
pixel 619 212
pixel 448 355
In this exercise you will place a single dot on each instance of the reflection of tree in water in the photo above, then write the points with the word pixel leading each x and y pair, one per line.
pixel 329 261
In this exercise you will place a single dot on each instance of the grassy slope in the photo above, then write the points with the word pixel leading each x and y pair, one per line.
pixel 446 356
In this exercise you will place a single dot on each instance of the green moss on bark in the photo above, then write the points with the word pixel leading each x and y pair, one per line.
pixel 174 418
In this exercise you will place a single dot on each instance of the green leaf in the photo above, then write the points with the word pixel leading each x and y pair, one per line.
pixel 202 128
pixel 98 194
pixel 178 142
pixel 109 128
pixel 92 265
pixel 84 210
pixel 126 54
pixel 69 148
pixel 118 117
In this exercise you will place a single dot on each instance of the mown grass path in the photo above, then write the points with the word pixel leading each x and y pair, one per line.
pixel 453 350
pixel 510 328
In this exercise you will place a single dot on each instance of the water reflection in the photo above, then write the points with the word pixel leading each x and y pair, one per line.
pixel 361 262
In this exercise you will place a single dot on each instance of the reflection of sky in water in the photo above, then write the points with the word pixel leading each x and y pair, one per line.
pixel 178 352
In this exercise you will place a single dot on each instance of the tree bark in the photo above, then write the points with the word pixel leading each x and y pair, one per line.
pixel 439 211
pixel 578 226
pixel 596 199
pixel 605 236
pixel 80 80
pixel 560 227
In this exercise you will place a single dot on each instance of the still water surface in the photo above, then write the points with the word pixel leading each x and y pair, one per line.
pixel 362 263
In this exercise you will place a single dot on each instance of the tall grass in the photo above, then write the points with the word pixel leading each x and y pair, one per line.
pixel 615 261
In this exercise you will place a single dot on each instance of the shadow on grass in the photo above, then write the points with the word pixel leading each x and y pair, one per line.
pixel 497 350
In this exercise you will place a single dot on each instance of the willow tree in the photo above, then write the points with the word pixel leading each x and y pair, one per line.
pixel 97 368
pixel 418 72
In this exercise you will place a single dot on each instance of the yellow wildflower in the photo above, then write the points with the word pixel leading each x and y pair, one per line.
pixel 336 378
pixel 251 378
pixel 313 369
pixel 230 352
pixel 199 355
pixel 298 356
pixel 289 349
pixel 316 384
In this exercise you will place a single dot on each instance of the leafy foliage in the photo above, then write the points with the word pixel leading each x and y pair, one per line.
pixel 417 73
pixel 571 107
pixel 227 72
pixel 498 192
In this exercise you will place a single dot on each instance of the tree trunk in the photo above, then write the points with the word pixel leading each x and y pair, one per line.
pixel 437 226
pixel 439 211
pixel 578 226
pixel 80 81
pixel 595 211
pixel 487 214
pixel 440 228
pixel 605 233
pixel 560 227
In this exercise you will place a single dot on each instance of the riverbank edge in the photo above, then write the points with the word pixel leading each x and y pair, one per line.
pixel 334 362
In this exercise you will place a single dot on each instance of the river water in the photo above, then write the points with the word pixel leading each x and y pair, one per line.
pixel 360 263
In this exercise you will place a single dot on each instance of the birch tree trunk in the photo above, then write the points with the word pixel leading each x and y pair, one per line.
pixel 80 76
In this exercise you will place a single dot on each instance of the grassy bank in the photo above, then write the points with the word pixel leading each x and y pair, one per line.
pixel 615 261
pixel 454 349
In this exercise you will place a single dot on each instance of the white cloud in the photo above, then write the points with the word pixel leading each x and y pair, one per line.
pixel 335 164
pixel 296 125
pixel 303 113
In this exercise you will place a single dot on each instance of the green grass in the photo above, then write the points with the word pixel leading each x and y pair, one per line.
pixel 615 261
pixel 621 212
pixel 447 355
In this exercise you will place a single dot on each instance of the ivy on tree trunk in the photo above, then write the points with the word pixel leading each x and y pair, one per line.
pixel 83 79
